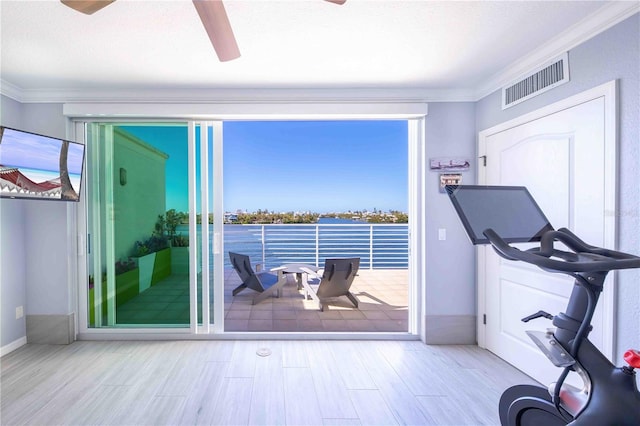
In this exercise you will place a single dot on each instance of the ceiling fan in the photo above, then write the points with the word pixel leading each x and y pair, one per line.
pixel 211 12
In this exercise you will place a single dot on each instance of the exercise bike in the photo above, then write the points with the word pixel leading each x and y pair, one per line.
pixel 501 215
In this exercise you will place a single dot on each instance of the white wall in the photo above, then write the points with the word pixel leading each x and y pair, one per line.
pixel 33 236
pixel 450 303
pixel 613 54
pixel 12 270
pixel 10 112
pixel 45 238
pixel 12 249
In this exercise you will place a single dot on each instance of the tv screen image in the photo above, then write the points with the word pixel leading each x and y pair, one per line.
pixel 39 167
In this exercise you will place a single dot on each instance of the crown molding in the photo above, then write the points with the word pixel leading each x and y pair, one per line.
pixel 12 91
pixel 233 96
pixel 599 21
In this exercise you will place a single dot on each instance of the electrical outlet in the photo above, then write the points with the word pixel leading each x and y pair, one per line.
pixel 19 312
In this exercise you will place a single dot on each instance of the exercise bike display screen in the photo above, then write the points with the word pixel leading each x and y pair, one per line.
pixel 510 211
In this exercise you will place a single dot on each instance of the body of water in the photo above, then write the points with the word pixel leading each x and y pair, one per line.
pixel 377 245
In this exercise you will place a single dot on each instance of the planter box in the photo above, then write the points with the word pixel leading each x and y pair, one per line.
pixel 145 267
pixel 154 267
pixel 126 289
pixel 161 266
pixel 180 260
pixel 126 286
pixel 92 309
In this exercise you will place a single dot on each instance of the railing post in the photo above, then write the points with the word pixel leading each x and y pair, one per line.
pixel 317 245
pixel 264 251
pixel 371 246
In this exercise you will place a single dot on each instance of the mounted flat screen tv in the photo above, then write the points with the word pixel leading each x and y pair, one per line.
pixel 39 167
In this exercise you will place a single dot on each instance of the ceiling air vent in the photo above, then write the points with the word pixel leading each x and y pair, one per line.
pixel 539 81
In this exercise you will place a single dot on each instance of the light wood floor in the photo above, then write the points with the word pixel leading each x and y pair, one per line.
pixel 228 383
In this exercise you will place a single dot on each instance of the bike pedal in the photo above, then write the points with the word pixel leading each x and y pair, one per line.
pixel 538 314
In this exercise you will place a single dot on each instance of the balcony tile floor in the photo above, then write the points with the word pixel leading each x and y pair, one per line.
pixel 382 296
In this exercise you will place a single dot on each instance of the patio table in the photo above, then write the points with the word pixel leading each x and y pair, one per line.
pixel 296 268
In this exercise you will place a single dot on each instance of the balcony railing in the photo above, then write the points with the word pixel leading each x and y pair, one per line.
pixel 377 245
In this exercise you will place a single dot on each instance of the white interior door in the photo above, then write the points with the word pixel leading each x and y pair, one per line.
pixel 563 160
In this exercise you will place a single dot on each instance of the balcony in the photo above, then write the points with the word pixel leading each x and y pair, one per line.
pixel 381 285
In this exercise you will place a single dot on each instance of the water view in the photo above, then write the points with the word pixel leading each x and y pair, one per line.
pixel 379 246
pixel 276 176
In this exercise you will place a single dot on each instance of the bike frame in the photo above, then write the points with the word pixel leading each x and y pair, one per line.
pixel 609 394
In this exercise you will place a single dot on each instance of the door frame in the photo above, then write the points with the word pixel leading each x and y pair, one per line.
pixel 79 114
pixel 79 132
pixel 608 91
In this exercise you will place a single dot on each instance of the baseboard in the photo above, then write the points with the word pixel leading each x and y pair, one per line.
pixel 6 349
pixel 51 329
pixel 450 329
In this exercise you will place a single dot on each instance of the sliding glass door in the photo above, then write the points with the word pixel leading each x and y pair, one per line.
pixel 296 192
pixel 148 222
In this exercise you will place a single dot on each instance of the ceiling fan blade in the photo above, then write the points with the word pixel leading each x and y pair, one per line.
pixel 216 23
pixel 337 1
pixel 87 7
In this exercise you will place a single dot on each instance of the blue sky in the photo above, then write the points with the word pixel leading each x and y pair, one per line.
pixel 318 166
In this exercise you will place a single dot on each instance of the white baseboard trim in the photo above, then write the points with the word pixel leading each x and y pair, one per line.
pixel 6 349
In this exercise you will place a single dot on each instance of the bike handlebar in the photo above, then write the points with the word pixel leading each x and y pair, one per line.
pixel 583 258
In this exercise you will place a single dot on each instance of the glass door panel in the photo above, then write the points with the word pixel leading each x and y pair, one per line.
pixel 202 147
pixel 156 220
pixel 139 244
pixel 215 226
pixel 205 224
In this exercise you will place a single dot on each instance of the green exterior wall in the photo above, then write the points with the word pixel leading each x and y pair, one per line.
pixel 139 201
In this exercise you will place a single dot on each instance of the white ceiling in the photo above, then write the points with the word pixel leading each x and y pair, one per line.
pixel 446 48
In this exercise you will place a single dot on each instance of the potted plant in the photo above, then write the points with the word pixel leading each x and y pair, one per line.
pixel 172 219
pixel 179 242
